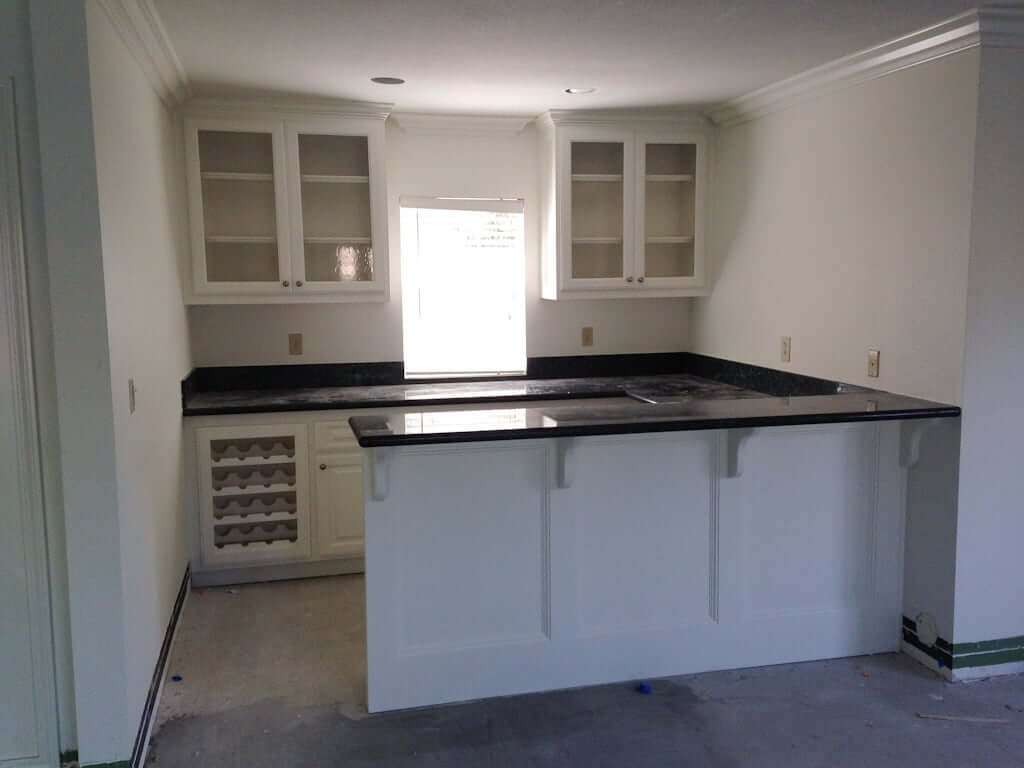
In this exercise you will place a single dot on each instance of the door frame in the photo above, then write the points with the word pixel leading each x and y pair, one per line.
pixel 14 305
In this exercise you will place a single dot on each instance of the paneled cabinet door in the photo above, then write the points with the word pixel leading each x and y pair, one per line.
pixel 670 242
pixel 339 505
pixel 238 206
pixel 338 207
pixel 596 169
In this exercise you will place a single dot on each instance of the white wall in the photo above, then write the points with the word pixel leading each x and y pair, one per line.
pixel 16 63
pixel 989 597
pixel 423 163
pixel 140 169
pixel 82 365
pixel 843 222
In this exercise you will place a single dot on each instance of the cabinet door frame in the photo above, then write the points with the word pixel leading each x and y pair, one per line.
pixel 563 153
pixel 644 138
pixel 373 130
pixel 201 286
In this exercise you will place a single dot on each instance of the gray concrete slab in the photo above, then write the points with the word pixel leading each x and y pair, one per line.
pixel 301 705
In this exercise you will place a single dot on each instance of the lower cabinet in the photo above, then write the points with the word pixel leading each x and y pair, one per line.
pixel 265 510
pixel 253 494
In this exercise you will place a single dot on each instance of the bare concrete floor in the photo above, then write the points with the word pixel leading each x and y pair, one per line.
pixel 273 675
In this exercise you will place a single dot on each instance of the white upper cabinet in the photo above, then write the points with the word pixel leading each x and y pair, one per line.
pixel 286 207
pixel 622 206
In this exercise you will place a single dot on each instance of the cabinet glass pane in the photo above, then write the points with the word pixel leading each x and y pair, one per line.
pixel 336 222
pixel 228 262
pixel 597 212
pixel 669 209
pixel 239 206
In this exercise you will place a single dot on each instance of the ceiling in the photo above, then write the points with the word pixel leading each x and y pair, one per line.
pixel 518 56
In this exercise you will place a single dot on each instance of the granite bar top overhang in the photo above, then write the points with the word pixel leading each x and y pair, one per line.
pixel 631 417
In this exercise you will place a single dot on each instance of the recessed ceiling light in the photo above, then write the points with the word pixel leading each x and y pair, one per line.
pixel 579 91
pixel 387 80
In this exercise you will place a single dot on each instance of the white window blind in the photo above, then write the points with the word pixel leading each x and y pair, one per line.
pixel 463 286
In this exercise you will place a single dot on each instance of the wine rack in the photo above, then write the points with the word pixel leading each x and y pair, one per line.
pixel 254 491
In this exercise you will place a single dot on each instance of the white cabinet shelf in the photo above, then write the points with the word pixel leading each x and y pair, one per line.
pixel 267 187
pixel 598 177
pixel 232 176
pixel 312 178
pixel 622 203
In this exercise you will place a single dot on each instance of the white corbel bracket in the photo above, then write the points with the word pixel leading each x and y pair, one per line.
pixel 380 471
pixel 734 439
pixel 911 432
pixel 564 448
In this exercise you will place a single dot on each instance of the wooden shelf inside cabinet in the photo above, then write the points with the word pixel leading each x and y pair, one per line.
pixel 597 177
pixel 233 176
pixel 251 461
pixel 254 488
pixel 323 178
pixel 241 239
pixel 355 240
pixel 596 240
pixel 667 177
pixel 670 239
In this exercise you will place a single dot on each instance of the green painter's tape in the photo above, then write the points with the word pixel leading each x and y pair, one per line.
pixel 1005 644
pixel 990 659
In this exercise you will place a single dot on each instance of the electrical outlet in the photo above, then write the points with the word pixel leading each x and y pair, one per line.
pixel 131 396
pixel 873 362
pixel 787 348
pixel 587 336
pixel 294 343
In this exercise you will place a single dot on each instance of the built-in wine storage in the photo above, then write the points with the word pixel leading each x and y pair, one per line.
pixel 254 491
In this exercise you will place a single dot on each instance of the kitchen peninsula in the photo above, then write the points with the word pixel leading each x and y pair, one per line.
pixel 541 533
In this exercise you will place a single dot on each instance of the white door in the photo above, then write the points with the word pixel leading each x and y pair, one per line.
pixel 27 708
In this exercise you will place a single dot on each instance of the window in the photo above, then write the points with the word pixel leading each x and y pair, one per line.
pixel 463 287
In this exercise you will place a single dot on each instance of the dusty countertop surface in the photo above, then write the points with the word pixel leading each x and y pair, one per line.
pixel 454 393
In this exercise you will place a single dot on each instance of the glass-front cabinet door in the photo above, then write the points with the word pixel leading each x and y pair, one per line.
pixel 338 210
pixel 239 222
pixel 600 210
pixel 671 170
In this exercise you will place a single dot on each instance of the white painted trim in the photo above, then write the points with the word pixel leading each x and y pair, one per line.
pixel 14 304
pixel 968 674
pixel 633 117
pixel 951 36
pixel 138 24
pixel 461 125
pixel 287 108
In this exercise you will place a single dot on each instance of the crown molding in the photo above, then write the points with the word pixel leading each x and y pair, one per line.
pixel 677 117
pixel 286 106
pixel 462 125
pixel 138 24
pixel 948 37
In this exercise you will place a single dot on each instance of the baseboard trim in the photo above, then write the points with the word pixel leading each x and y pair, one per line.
pixel 141 747
pixel 965 661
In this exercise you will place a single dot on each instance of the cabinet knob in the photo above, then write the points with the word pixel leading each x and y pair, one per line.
pixel 629 279
pixel 298 283
pixel 285 283
pixel 323 467
pixel 640 279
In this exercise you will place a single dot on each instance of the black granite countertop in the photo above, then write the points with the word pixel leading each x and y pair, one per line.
pixel 455 393
pixel 696 412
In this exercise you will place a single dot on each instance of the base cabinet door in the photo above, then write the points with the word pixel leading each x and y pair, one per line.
pixel 339 507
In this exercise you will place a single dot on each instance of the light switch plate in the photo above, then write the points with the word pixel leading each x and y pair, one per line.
pixel 873 363
pixel 294 343
pixel 587 336
pixel 787 348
